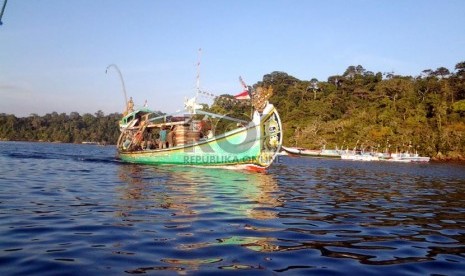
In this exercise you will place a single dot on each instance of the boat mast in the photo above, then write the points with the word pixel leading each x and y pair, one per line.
pixel 122 83
pixel 198 70
pixel 3 10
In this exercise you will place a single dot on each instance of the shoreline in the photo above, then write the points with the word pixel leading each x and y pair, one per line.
pixel 59 142
pixel 439 158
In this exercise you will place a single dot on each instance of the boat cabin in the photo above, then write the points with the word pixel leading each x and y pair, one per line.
pixel 144 130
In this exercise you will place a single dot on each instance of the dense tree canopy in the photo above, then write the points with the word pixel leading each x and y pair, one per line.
pixel 54 127
pixel 374 111
pixel 358 108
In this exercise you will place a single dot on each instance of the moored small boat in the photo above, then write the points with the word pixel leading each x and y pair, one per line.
pixel 408 157
pixel 323 153
pixel 301 151
pixel 359 156
pixel 330 153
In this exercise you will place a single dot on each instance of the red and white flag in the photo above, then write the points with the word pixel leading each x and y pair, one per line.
pixel 244 95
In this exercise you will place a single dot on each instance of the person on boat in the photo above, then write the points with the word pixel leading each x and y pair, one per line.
pixel 163 136
pixel 127 142
pixel 148 138
pixel 170 137
pixel 209 134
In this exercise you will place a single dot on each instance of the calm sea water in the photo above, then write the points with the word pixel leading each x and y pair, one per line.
pixel 75 209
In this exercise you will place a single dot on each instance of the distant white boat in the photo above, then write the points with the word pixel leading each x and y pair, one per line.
pixel 301 151
pixel 359 156
pixel 330 153
pixel 408 157
pixel 324 153
pixel 90 143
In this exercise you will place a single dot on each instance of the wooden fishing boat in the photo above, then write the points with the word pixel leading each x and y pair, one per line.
pixel 253 145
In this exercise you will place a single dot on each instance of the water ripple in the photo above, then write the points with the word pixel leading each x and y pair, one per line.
pixel 74 209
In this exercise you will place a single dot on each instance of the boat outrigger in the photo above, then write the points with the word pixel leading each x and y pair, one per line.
pixel 190 138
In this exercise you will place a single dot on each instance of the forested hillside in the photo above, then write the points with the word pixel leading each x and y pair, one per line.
pixel 375 110
pixel 54 127
pixel 359 108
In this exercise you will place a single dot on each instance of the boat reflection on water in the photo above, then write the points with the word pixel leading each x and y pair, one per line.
pixel 186 209
pixel 186 189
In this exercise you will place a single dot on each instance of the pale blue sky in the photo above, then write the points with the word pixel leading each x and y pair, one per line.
pixel 53 53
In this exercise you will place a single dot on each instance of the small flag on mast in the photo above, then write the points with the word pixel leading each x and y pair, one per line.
pixel 244 95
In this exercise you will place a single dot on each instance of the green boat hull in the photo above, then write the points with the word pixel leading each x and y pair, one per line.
pixel 252 147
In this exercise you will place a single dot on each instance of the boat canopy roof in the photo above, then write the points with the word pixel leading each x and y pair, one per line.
pixel 144 111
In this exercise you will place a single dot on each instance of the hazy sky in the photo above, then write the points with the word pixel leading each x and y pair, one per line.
pixel 53 53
